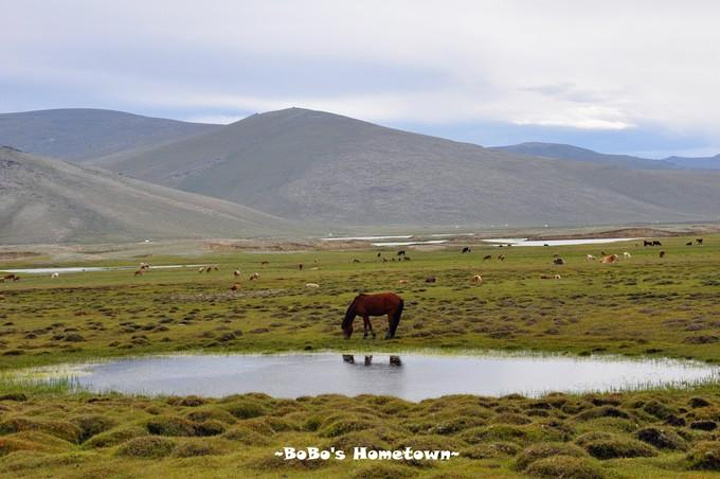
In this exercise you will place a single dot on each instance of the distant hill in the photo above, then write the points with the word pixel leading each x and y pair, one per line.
pixel 51 201
pixel 570 152
pixel 702 163
pixel 80 133
pixel 321 167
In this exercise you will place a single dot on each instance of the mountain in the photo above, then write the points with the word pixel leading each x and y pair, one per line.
pixel 702 163
pixel 51 201
pixel 326 168
pixel 570 152
pixel 79 133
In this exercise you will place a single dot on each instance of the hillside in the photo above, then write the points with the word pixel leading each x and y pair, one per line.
pixel 321 167
pixel 570 152
pixel 51 201
pixel 81 133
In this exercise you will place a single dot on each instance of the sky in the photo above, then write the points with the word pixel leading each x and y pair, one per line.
pixel 636 77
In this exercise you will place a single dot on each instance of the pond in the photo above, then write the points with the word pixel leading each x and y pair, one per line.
pixel 92 269
pixel 410 376
pixel 563 242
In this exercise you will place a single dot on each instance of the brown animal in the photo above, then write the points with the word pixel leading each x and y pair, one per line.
pixel 254 276
pixel 406 258
pixel 234 288
pixel 476 279
pixel 487 257
pixel 264 263
pixel 430 279
pixel 609 259
pixel 689 243
pixel 662 254
pixel 699 241
pixel 501 257
pixel 216 268
pixel 355 260
pixel 300 266
pixel 139 272
pixel 236 273
pixel 559 261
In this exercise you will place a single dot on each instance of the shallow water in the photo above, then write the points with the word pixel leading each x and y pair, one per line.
pixel 567 242
pixel 90 269
pixel 412 377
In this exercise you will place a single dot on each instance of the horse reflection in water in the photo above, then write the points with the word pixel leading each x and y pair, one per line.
pixel 368 360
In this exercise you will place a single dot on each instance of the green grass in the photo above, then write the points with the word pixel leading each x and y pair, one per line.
pixel 645 306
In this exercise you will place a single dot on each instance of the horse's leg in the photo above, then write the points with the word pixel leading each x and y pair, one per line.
pixel 366 326
pixel 371 328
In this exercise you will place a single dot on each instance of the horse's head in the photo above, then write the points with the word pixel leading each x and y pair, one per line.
pixel 347 324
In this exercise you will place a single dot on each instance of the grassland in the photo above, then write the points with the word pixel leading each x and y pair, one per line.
pixel 640 306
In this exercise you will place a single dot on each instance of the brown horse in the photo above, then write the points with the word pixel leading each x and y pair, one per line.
pixel 367 305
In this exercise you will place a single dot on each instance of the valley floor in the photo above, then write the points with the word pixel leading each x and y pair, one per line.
pixel 643 305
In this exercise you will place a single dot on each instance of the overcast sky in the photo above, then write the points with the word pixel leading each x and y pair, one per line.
pixel 640 77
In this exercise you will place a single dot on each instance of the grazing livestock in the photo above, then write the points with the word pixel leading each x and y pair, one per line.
pixel 662 254
pixel 501 257
pixel 609 259
pixel 477 279
pixel 144 265
pixel 656 243
pixel 402 281
pixel 647 243
pixel 379 254
pixel 264 263
pixel 237 273
pixel 54 275
pixel 401 253
pixel 406 258
pixel 689 243
pixel 589 258
pixel 430 279
pixel 355 260
pixel 234 288
pixel 487 258
pixel 12 277
pixel 385 260
pixel 254 276
pixel 366 305
pixel 300 266
pixel 559 261
pixel 139 272
pixel 312 285
pixel 201 269
pixel 466 249
pixel 627 255
pixel 699 241
pixel 550 276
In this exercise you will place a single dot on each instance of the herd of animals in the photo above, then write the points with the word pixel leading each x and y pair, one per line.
pixel 390 304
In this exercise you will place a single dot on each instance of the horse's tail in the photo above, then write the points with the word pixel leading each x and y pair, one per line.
pixel 350 313
pixel 396 318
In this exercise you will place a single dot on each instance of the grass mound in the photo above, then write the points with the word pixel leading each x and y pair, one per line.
pixel 662 438
pixel 60 429
pixel 93 424
pixel 383 471
pixel 115 437
pixel 194 449
pixel 614 446
pixel 565 467
pixel 705 456
pixel 150 447
pixel 545 450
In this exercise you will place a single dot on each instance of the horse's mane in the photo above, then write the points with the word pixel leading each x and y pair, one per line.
pixel 350 313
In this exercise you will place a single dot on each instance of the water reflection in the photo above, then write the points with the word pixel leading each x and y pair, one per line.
pixel 368 360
